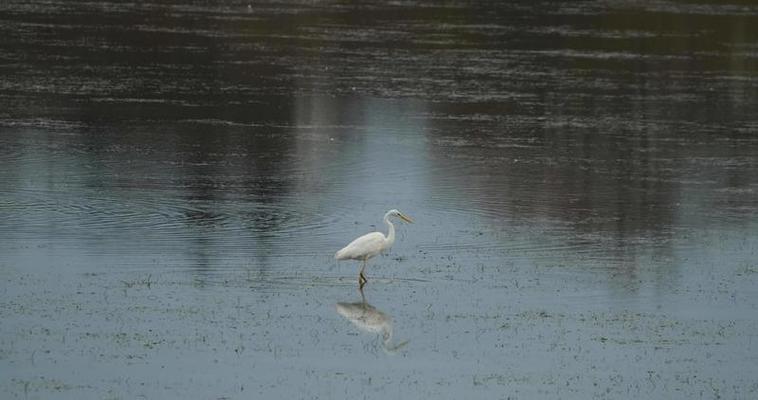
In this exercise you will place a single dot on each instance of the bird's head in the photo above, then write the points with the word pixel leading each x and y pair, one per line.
pixel 398 214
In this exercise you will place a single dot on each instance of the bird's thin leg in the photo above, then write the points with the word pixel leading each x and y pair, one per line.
pixel 363 296
pixel 362 278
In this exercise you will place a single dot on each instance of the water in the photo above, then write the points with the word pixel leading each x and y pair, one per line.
pixel 176 177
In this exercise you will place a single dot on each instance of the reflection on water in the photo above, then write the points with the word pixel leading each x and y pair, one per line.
pixel 586 166
pixel 368 319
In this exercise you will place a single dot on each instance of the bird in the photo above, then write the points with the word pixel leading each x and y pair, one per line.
pixel 371 244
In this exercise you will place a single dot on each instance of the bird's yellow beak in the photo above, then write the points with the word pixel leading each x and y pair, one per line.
pixel 406 218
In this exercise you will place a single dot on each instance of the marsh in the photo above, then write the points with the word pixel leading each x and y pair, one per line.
pixel 177 176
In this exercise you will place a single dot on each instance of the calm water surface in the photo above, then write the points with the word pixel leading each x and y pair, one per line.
pixel 176 177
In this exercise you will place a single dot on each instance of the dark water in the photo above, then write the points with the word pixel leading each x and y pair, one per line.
pixel 176 177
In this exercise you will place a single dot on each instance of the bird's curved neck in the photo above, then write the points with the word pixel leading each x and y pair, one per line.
pixel 391 233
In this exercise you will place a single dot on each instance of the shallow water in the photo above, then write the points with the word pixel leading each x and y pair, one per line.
pixel 176 177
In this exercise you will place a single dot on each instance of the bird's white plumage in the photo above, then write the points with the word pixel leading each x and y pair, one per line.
pixel 364 247
pixel 371 244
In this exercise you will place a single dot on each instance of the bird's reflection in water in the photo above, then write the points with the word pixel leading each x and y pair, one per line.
pixel 368 319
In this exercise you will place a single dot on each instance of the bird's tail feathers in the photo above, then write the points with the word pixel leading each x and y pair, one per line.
pixel 340 255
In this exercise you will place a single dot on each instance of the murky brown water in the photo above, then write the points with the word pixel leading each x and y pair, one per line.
pixel 176 177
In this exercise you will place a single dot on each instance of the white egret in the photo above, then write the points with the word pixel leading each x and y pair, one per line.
pixel 371 244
